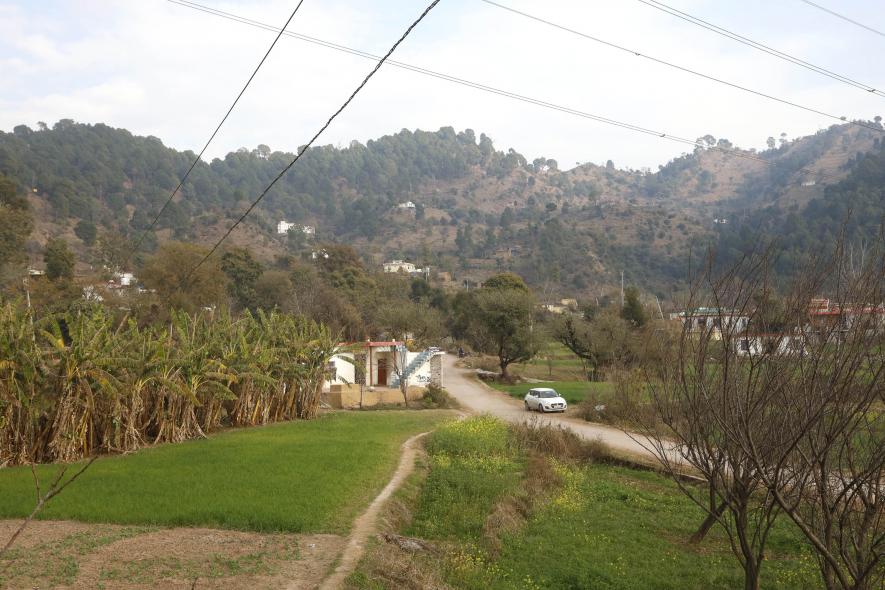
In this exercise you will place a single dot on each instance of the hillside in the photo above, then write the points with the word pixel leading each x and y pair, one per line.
pixel 478 209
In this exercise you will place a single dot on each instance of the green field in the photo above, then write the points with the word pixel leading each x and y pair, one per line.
pixel 305 476
pixel 507 519
pixel 572 391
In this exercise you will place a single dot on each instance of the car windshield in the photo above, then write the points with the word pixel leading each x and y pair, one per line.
pixel 548 394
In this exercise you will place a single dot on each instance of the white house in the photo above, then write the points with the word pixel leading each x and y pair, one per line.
pixel 125 279
pixel 283 228
pixel 406 205
pixel 770 344
pixel 382 364
pixel 712 318
pixel 400 266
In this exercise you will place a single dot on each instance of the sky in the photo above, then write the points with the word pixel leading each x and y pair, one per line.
pixel 158 68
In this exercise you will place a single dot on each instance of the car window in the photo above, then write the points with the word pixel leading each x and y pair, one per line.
pixel 549 394
pixel 533 393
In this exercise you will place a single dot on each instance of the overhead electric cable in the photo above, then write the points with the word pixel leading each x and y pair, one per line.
pixel 181 182
pixel 843 17
pixel 486 88
pixel 681 68
pixel 325 126
pixel 760 46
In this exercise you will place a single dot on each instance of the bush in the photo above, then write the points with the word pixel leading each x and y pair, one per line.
pixel 436 397
pixel 559 442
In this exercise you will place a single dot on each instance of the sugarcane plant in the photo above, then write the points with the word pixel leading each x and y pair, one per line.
pixel 88 382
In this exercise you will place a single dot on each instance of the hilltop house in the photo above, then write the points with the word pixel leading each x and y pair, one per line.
pixel 283 228
pixel 408 268
pixel 400 266
pixel 406 205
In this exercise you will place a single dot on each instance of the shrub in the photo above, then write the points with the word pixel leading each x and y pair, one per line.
pixel 438 398
pixel 559 442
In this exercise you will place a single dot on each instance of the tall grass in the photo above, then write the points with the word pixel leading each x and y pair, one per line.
pixel 84 382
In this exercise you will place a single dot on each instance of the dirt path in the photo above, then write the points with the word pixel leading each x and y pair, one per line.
pixel 478 397
pixel 366 524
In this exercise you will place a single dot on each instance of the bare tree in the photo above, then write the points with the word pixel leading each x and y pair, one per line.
pixel 782 414
pixel 698 394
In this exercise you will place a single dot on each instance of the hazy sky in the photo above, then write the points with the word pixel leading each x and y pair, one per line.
pixel 157 68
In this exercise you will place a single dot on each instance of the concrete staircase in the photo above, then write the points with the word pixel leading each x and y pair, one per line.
pixel 413 366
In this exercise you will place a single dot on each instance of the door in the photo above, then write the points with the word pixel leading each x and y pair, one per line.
pixel 382 372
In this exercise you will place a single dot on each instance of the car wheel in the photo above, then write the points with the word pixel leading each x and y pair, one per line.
pixel 527 408
pixel 540 408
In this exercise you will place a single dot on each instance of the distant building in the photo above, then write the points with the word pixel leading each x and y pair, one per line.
pixel 125 279
pixel 33 272
pixel 809 183
pixel 770 344
pixel 283 228
pixel 712 318
pixel 400 266
pixel 406 205
pixel 720 221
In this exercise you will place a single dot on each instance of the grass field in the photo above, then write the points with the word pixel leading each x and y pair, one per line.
pixel 305 476
pixel 577 525
pixel 572 391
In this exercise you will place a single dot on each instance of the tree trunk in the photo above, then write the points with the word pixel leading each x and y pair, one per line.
pixel 708 523
pixel 751 575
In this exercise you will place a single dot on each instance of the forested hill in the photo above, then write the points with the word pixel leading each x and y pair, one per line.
pixel 478 209
pixel 98 172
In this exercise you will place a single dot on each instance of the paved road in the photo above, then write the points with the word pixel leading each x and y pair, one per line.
pixel 476 396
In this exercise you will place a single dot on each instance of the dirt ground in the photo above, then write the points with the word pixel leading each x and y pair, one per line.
pixel 63 555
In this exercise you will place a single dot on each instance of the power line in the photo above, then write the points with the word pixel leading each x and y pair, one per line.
pixel 304 148
pixel 760 46
pixel 214 133
pixel 845 18
pixel 488 89
pixel 680 68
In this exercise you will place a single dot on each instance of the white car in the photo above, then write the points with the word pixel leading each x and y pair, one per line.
pixel 544 399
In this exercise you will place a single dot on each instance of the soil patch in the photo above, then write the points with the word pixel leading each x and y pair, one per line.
pixel 62 555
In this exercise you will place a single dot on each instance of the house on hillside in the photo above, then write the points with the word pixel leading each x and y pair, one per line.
pixel 124 279
pixel 409 268
pixel 400 266
pixel 406 205
pixel 283 227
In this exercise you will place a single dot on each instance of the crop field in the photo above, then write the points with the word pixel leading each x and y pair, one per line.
pixel 297 477
pixel 506 518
